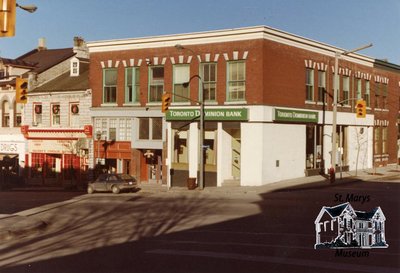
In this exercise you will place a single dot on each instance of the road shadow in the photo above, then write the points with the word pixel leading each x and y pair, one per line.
pixel 172 235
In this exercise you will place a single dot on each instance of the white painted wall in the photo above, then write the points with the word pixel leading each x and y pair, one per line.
pixel 360 144
pixel 263 144
pixel 252 137
pixel 286 143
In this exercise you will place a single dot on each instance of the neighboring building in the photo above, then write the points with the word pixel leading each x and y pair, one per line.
pixel 12 141
pixel 268 106
pixel 57 124
pixel 342 226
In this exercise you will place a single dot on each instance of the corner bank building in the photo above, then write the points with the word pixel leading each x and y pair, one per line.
pixel 268 106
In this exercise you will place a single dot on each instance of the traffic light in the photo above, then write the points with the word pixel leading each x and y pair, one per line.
pixel 166 102
pixel 7 18
pixel 21 88
pixel 361 109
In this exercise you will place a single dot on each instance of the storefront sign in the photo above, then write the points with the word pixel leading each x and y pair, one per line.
pixel 236 114
pixel 288 115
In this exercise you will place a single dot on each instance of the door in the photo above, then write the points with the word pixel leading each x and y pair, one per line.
pixel 236 147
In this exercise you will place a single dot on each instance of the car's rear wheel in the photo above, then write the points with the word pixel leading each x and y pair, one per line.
pixel 90 190
pixel 115 189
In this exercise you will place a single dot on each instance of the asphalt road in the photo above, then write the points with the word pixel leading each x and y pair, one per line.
pixel 177 232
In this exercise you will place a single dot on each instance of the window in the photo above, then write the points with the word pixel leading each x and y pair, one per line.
pixel 37 114
pixel 359 93
pixel 144 131
pixel 384 96
pixel 377 95
pixel 367 93
pixel 377 139
pixel 156 128
pixel 132 84
pixel 180 155
pixel 74 115
pixel 150 128
pixel 209 76
pixel 6 114
pixel 309 84
pixel 156 83
pixel 321 85
pixel 122 129
pixel 55 114
pixel 384 140
pixel 181 76
pixel 17 114
pixel 112 130
pixel 110 85
pixel 346 90
pixel 236 81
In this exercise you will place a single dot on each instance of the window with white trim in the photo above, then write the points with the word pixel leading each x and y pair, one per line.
pixel 37 114
pixel 109 85
pixel 346 90
pixel 156 83
pixel 309 84
pixel 74 115
pixel 209 75
pixel 367 94
pixel 132 84
pixel 5 114
pixel 321 85
pixel 236 81
pixel 55 115
pixel 181 76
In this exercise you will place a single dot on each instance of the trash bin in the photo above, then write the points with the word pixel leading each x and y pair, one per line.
pixel 191 183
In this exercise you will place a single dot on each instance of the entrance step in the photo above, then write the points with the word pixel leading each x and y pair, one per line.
pixel 231 183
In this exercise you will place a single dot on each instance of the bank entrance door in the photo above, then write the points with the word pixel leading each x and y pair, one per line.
pixel 236 148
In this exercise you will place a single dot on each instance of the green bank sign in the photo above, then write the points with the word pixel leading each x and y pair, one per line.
pixel 236 114
pixel 287 115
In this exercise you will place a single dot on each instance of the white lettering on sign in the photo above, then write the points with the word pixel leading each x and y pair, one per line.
pixel 4 147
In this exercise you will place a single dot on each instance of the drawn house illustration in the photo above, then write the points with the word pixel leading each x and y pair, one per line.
pixel 343 227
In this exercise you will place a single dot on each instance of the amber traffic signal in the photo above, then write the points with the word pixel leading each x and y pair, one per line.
pixel 21 88
pixel 166 102
pixel 7 18
pixel 361 109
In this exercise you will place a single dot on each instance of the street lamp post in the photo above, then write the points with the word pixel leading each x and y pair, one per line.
pixel 201 137
pixel 335 102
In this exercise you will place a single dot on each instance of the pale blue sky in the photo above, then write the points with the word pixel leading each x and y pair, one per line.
pixel 346 24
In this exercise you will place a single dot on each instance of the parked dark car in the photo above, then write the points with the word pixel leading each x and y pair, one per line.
pixel 112 182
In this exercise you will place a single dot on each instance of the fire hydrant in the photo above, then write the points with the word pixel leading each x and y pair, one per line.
pixel 332 175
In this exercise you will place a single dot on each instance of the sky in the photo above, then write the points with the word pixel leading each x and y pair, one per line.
pixel 347 24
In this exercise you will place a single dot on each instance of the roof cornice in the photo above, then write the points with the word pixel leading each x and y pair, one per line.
pixel 227 35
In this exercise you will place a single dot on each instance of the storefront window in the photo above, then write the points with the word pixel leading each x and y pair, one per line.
pixel 180 150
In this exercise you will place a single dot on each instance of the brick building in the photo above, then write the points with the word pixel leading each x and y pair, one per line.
pixel 268 106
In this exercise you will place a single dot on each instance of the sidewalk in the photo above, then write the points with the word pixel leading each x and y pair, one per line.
pixel 15 225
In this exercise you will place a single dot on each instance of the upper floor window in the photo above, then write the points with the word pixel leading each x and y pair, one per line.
pixel 346 90
pixel 74 115
pixel 132 84
pixel 321 85
pixel 367 94
pixel 156 83
pixel 384 96
pixel 55 114
pixel 209 75
pixel 110 85
pixel 17 114
pixel 377 95
pixel 236 81
pixel 150 128
pixel 358 90
pixel 309 84
pixel 5 114
pixel 181 76
pixel 37 114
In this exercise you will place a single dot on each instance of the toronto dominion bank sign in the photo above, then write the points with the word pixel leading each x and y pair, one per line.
pixel 286 115
pixel 236 114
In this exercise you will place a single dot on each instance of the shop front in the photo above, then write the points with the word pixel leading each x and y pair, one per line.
pixel 57 157
pixel 221 149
